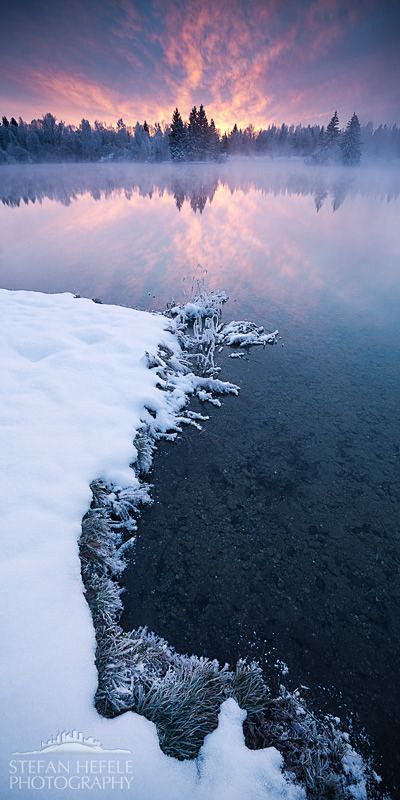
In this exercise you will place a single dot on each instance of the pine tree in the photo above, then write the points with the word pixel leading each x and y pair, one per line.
pixel 203 133
pixel 234 140
pixel 351 142
pixel 333 131
pixel 177 138
pixel 214 145
pixel 328 149
pixel 193 135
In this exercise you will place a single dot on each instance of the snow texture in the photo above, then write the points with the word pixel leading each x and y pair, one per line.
pixel 76 386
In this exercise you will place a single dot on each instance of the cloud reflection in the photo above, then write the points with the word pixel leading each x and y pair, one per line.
pixel 136 235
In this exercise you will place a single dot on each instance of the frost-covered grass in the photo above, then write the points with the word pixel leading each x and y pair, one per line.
pixel 87 390
pixel 182 694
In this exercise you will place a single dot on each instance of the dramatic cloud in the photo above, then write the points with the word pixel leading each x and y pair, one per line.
pixel 256 61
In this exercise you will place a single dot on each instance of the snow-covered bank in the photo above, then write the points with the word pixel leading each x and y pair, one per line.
pixel 79 382
pixel 75 384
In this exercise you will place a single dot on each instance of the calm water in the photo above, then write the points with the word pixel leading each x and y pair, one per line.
pixel 276 529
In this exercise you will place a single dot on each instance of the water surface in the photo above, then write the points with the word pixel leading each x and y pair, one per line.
pixel 276 529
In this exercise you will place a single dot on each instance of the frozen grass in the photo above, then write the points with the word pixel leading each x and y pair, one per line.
pixel 315 750
pixel 182 694
pixel 140 671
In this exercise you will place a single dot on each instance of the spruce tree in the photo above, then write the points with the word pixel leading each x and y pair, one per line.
pixel 330 150
pixel 214 144
pixel 351 142
pixel 177 138
pixel 193 134
pixel 203 133
pixel 333 131
pixel 234 140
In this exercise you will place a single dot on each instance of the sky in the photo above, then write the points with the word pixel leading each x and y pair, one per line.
pixel 247 61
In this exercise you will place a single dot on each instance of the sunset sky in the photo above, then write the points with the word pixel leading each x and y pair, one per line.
pixel 258 61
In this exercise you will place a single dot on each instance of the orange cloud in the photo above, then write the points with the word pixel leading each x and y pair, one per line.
pixel 257 61
pixel 220 58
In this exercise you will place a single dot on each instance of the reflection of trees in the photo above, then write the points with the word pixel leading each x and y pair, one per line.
pixel 194 190
pixel 319 197
pixel 194 184
pixel 340 191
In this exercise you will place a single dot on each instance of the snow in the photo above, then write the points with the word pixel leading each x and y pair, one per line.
pixel 245 334
pixel 75 383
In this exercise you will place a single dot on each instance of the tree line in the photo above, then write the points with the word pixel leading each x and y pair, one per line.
pixel 196 139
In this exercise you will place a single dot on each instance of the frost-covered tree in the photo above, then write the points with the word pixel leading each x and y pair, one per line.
pixel 4 135
pixel 331 141
pixel 327 150
pixel 333 131
pixel 142 142
pixel 177 138
pixel 193 135
pixel 351 142
pixel 214 146
pixel 86 140
pixel 46 139
pixel 159 145
pixel 203 134
pixel 234 140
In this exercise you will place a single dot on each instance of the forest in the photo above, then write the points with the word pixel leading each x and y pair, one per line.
pixel 197 139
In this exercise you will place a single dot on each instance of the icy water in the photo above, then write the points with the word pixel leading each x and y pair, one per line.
pixel 275 531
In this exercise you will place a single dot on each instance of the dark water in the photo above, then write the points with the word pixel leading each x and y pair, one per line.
pixel 275 531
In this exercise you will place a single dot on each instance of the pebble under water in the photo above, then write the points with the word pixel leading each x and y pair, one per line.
pixel 274 534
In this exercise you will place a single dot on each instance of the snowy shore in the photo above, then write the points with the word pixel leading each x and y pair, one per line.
pixel 75 385
pixel 86 391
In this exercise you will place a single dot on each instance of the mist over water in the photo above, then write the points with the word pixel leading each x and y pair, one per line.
pixel 277 526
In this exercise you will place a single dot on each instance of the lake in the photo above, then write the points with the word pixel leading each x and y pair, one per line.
pixel 275 531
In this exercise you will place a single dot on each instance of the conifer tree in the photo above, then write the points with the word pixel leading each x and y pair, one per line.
pixel 328 150
pixel 351 142
pixel 177 138
pixel 202 133
pixel 333 131
pixel 234 140
pixel 193 134
pixel 214 145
